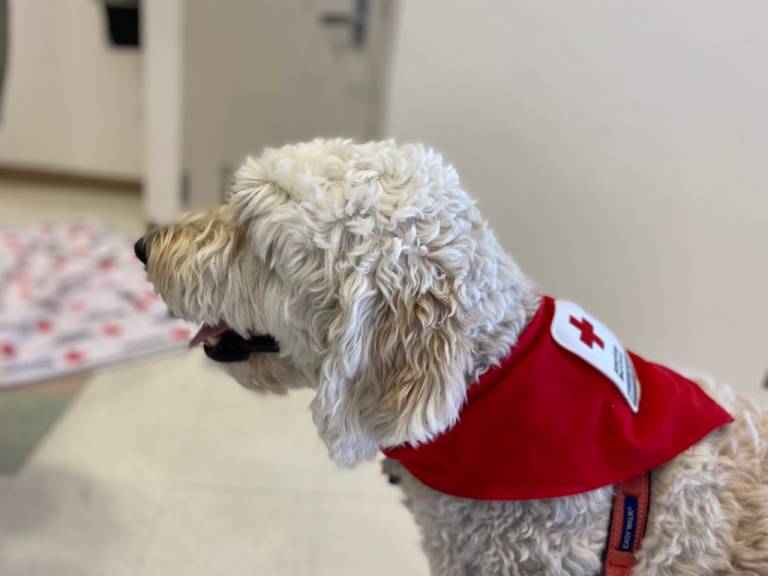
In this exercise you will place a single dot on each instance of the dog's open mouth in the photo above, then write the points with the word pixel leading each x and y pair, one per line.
pixel 223 344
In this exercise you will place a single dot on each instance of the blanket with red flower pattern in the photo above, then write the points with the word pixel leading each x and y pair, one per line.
pixel 72 297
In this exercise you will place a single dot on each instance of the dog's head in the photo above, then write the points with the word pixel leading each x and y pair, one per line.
pixel 362 271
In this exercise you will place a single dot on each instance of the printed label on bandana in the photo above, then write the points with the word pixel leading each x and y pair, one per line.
pixel 590 340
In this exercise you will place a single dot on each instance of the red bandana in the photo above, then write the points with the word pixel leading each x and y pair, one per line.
pixel 566 412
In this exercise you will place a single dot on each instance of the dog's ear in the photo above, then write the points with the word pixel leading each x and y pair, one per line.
pixel 397 364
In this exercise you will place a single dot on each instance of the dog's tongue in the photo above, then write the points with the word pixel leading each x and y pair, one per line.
pixel 206 332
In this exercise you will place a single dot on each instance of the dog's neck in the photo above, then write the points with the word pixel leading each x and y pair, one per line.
pixel 494 343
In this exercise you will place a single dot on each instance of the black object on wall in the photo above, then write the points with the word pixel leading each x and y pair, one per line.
pixel 123 23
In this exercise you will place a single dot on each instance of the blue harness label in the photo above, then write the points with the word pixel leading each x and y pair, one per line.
pixel 629 524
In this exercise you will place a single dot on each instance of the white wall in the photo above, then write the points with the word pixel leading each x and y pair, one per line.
pixel 162 34
pixel 619 150
pixel 72 103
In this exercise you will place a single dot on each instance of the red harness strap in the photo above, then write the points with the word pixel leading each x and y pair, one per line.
pixel 629 518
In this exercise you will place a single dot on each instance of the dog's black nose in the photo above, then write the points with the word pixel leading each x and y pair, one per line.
pixel 141 248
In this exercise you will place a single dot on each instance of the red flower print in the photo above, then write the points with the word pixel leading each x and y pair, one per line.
pixel 111 329
pixel 74 357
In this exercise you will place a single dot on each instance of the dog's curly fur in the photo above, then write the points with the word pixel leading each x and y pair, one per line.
pixel 389 296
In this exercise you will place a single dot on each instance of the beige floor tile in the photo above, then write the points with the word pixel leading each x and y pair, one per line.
pixel 260 443
pixel 365 479
pixel 364 536
pixel 209 533
pixel 27 414
pixel 57 521
pixel 268 444
pixel 131 422
pixel 5 483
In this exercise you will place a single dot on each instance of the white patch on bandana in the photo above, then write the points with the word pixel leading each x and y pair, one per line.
pixel 580 333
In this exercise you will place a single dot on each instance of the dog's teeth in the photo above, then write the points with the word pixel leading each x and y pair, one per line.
pixel 213 340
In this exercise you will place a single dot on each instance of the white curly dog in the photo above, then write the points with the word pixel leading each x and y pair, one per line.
pixel 366 273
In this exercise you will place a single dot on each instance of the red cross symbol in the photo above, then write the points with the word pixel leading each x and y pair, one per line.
pixel 588 335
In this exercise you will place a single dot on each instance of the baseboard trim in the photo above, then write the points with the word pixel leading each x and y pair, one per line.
pixel 54 178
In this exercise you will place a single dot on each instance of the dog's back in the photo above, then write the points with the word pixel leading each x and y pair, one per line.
pixel 709 515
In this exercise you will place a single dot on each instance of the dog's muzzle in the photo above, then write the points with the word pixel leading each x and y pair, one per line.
pixel 220 343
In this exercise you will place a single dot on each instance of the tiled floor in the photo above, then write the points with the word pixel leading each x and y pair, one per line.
pixel 27 414
pixel 169 468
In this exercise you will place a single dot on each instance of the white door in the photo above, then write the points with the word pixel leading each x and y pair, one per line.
pixel 265 73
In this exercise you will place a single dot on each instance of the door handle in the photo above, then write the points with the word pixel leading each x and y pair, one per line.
pixel 357 22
